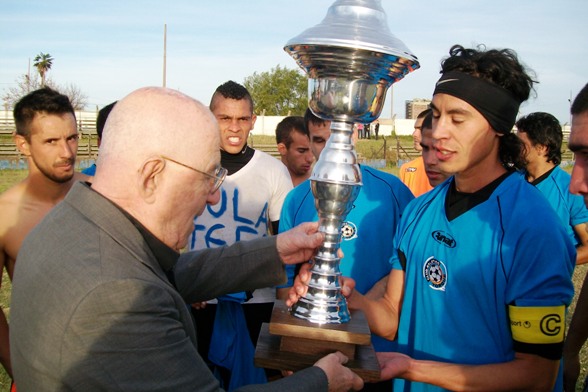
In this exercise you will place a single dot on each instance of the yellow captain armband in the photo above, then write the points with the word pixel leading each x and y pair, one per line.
pixel 537 324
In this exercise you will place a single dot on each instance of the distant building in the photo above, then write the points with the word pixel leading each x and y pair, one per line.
pixel 416 106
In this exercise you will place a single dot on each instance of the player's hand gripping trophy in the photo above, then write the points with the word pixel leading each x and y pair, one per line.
pixel 351 59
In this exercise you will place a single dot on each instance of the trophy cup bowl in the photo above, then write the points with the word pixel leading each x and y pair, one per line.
pixel 351 59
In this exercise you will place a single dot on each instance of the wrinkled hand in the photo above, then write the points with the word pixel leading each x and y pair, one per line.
pixel 300 286
pixel 571 372
pixel 393 364
pixel 340 378
pixel 299 243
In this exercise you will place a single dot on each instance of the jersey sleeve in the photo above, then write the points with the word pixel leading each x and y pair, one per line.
pixel 540 288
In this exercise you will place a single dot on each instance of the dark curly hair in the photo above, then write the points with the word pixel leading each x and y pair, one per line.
pixel 503 68
pixel 543 129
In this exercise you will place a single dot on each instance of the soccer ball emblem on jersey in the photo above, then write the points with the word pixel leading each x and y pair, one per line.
pixel 435 272
pixel 348 231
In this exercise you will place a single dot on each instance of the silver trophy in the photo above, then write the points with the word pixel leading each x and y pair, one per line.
pixel 351 59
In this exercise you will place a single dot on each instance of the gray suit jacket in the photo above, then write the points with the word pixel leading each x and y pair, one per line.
pixel 93 310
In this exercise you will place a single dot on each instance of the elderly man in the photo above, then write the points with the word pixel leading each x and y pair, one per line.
pixel 100 288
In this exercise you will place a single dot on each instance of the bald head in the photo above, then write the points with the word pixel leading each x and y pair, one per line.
pixel 156 121
pixel 151 139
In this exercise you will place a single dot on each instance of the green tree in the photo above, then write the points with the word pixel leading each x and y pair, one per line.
pixel 279 92
pixel 43 63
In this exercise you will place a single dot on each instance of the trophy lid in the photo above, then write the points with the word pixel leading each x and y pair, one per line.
pixel 356 24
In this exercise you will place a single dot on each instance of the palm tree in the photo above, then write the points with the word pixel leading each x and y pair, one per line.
pixel 43 63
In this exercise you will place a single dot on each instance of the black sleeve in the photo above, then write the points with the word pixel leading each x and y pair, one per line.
pixel 274 227
pixel 402 258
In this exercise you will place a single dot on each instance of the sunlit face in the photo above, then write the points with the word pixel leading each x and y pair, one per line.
pixel 416 134
pixel 235 120
pixel 319 134
pixel 465 142
pixel 53 146
pixel 434 174
pixel 578 143
pixel 298 157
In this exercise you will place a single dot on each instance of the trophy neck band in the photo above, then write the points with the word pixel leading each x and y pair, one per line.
pixel 495 103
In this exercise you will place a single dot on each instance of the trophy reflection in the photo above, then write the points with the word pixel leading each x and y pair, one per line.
pixel 351 59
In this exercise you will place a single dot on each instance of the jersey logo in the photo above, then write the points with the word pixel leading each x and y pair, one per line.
pixel 444 238
pixel 435 273
pixel 348 231
pixel 410 169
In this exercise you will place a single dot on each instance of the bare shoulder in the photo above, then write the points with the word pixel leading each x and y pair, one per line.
pixel 12 197
pixel 13 226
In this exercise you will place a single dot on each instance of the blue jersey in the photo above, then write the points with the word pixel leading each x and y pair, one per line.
pixel 367 231
pixel 461 275
pixel 90 171
pixel 569 207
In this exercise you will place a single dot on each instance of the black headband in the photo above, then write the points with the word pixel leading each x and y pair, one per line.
pixel 495 103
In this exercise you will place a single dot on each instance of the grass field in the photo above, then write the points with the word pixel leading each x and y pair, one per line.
pixel 370 149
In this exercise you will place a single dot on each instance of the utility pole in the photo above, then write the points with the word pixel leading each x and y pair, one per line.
pixel 164 52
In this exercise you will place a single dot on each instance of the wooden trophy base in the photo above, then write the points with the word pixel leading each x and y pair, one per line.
pixel 290 343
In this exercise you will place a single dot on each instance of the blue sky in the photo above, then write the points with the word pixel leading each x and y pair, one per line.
pixel 109 48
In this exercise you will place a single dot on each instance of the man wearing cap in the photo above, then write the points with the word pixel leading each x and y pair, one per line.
pixel 481 278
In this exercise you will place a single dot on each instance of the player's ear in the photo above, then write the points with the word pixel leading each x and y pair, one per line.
pixel 282 149
pixel 22 144
pixel 541 149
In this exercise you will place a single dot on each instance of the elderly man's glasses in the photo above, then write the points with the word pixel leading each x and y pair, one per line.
pixel 220 173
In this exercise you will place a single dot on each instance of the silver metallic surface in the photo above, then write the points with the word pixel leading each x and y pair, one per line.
pixel 351 59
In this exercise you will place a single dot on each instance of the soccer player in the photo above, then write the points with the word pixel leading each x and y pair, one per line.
pixel 481 276
pixel 542 136
pixel 412 173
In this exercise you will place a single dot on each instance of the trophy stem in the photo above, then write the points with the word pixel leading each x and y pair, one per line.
pixel 335 184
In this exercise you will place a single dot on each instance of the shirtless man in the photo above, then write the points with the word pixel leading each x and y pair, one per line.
pixel 47 135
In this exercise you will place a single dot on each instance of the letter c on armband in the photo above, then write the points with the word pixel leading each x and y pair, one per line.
pixel 537 324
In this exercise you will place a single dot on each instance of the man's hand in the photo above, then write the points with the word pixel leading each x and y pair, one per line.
pixel 299 243
pixel 393 364
pixel 300 286
pixel 340 378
